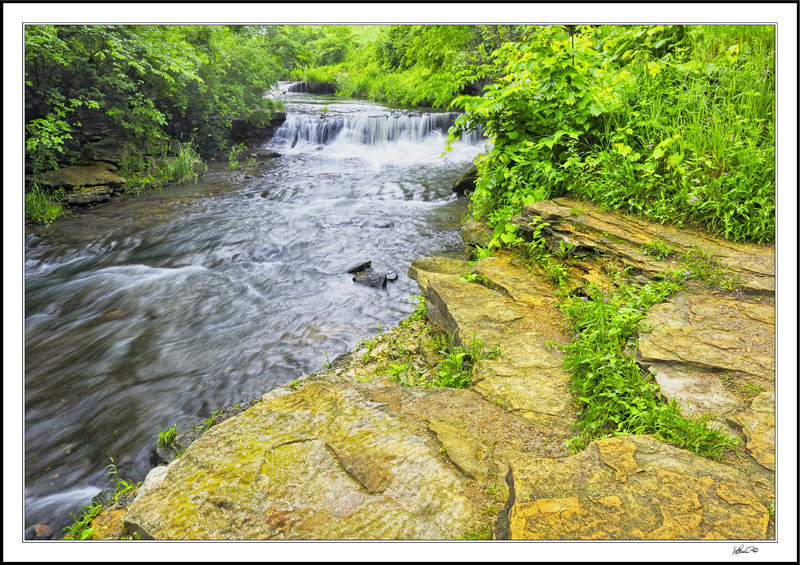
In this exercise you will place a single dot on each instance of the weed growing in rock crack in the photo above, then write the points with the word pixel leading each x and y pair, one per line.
pixel 476 278
pixel 327 364
pixel 615 396
pixel 481 253
pixel 481 533
pixel 744 390
pixel 657 249
pixel 455 370
pixel 81 528
pixel 565 250
pixel 167 438
pixel 698 265
pixel 207 423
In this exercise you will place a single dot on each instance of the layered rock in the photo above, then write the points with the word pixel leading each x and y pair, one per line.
pixel 71 178
pixel 519 316
pixel 629 488
pixel 613 234
pixel 695 339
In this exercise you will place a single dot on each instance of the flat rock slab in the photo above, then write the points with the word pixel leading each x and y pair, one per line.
pixel 72 177
pixel 476 436
pixel 714 332
pixel 318 463
pixel 758 424
pixel 519 316
pixel 633 488
pixel 516 281
pixel 696 391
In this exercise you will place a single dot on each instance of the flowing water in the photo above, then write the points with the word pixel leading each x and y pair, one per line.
pixel 158 309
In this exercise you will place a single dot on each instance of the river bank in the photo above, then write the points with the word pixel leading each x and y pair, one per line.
pixel 153 311
pixel 365 440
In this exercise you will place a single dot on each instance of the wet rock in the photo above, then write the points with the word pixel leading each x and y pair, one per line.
pixel 264 153
pixel 359 267
pixel 369 277
pixel 43 531
pixel 466 182
pixel 474 233
pixel 319 463
pixel 758 424
pixel 631 487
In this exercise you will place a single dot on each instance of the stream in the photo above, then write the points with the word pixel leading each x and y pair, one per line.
pixel 158 309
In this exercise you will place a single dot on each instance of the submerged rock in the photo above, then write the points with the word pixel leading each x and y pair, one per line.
pixel 369 277
pixel 631 487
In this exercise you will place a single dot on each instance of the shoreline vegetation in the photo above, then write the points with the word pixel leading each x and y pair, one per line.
pixel 674 124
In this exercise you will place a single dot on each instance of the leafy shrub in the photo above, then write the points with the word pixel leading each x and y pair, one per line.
pixel 670 122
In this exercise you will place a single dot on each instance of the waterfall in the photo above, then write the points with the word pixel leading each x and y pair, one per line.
pixel 375 130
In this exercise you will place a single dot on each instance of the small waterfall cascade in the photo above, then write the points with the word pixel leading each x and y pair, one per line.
pixel 370 130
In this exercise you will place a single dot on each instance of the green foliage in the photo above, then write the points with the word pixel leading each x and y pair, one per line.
pixel 208 422
pixel 81 528
pixel 657 249
pixel 166 439
pixel 455 370
pixel 674 123
pixel 233 155
pixel 615 396
pixel 705 268
pixel 149 83
pixel 403 64
pixel 178 169
pixel 42 207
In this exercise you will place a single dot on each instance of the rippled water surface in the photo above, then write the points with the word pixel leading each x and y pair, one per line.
pixel 161 308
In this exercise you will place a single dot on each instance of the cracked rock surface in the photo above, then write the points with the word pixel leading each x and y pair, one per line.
pixel 631 487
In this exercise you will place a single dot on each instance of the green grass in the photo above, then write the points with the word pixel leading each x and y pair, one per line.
pixel 166 439
pixel 81 528
pixel 42 207
pixel 208 422
pixel 615 396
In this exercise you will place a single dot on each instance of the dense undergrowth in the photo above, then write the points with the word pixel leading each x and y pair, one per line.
pixel 675 123
pixel 613 394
